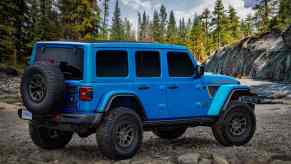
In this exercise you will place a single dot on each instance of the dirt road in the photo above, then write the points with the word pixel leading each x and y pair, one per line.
pixel 272 141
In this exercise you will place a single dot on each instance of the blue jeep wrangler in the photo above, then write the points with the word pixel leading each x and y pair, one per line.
pixel 120 89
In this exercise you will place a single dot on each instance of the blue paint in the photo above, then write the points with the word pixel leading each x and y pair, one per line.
pixel 222 96
pixel 190 99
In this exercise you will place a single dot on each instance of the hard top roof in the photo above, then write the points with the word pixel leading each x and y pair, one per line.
pixel 118 44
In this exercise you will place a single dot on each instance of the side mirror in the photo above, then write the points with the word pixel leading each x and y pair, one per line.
pixel 200 70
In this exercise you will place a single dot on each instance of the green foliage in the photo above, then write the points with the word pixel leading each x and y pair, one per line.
pixel 197 40
pixel 182 31
pixel 246 26
pixel 80 19
pixel 23 22
pixel 262 15
pixel 219 19
pixel 284 15
pixel 163 22
pixel 117 32
pixel 104 26
pixel 156 33
pixel 234 23
pixel 172 29
pixel 128 32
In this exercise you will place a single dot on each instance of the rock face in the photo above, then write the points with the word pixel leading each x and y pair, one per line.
pixel 287 36
pixel 266 57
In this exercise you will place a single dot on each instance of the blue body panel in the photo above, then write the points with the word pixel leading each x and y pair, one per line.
pixel 190 99
pixel 221 97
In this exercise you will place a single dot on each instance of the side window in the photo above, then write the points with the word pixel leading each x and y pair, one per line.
pixel 180 64
pixel 148 64
pixel 111 64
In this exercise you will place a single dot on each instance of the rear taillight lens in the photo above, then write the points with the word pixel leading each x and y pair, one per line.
pixel 86 93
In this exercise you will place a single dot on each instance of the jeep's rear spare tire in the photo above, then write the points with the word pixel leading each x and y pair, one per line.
pixel 42 88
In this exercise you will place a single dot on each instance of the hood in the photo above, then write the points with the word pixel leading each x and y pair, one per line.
pixel 219 79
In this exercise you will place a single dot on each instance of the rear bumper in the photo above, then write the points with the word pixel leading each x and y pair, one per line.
pixel 76 119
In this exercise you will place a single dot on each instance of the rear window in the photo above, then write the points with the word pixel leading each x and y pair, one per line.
pixel 111 64
pixel 70 60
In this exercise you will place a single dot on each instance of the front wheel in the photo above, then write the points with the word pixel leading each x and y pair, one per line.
pixel 47 138
pixel 236 126
pixel 120 134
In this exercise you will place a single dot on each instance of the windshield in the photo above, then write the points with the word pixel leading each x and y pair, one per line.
pixel 70 60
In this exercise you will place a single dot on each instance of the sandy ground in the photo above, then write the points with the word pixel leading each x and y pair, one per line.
pixel 271 143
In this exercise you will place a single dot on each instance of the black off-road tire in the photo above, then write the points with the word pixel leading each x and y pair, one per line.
pixel 50 82
pixel 224 129
pixel 49 139
pixel 170 132
pixel 107 133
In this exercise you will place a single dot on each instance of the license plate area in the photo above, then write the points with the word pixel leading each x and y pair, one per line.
pixel 24 114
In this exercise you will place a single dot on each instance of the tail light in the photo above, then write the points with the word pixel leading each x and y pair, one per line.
pixel 86 93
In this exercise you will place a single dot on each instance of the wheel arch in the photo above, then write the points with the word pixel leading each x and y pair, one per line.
pixel 224 95
pixel 122 98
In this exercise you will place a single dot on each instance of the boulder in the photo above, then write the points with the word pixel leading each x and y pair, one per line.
pixel 217 159
pixel 205 161
pixel 189 158
pixel 264 57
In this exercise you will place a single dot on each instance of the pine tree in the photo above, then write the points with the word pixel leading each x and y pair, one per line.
pixel 189 25
pixel 104 27
pixel 7 29
pixel 128 33
pixel 234 23
pixel 263 12
pixel 14 30
pixel 284 15
pixel 182 31
pixel 172 29
pixel 139 28
pixel 48 25
pixel 89 16
pixel 219 17
pixel 34 22
pixel 144 26
pixel 205 18
pixel 246 26
pixel 163 22
pixel 156 33
pixel 117 32
pixel 197 40
pixel 80 19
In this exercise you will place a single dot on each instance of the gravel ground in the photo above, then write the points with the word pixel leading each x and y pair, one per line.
pixel 271 143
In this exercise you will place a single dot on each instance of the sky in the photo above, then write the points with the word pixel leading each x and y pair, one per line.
pixel 181 8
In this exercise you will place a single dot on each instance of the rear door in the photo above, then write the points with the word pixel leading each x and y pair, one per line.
pixel 149 84
pixel 185 94
pixel 111 72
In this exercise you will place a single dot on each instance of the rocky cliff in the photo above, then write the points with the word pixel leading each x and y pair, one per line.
pixel 267 57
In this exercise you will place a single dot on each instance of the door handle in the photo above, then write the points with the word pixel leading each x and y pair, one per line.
pixel 173 87
pixel 143 87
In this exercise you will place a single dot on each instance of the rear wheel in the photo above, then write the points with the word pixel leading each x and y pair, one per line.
pixel 170 132
pixel 120 134
pixel 236 126
pixel 47 138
